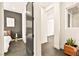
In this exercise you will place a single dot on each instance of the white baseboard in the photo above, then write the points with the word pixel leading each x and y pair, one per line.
pixel 17 39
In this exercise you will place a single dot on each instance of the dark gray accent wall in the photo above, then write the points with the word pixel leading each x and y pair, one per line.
pixel 18 23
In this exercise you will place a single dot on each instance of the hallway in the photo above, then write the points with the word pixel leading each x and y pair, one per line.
pixel 49 50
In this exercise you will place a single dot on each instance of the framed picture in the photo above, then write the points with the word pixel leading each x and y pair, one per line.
pixel 10 22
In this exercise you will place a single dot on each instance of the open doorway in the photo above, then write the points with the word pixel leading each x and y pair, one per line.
pixel 50 25
pixel 14 43
pixel 51 29
pixel 49 45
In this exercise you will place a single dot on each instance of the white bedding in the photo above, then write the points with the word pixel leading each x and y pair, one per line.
pixel 7 40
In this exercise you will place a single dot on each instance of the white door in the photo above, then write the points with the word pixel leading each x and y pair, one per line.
pixel 50 22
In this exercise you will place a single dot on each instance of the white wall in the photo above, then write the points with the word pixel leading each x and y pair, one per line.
pixel 75 20
pixel 66 32
pixel 43 26
pixel 1 29
pixel 24 27
pixel 56 25
pixel 19 7
pixel 37 30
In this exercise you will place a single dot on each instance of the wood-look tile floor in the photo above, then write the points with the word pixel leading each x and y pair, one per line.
pixel 17 49
pixel 49 50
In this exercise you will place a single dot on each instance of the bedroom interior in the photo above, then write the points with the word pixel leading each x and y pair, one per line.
pixel 18 37
pixel 13 34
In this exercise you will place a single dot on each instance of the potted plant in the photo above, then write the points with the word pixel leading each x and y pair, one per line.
pixel 70 47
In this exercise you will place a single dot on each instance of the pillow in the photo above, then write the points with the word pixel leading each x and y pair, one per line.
pixel 9 33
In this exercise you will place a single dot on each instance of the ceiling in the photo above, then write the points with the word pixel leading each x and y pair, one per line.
pixel 15 6
pixel 20 6
pixel 45 4
pixel 74 9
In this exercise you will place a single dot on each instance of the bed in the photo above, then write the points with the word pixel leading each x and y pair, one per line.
pixel 7 40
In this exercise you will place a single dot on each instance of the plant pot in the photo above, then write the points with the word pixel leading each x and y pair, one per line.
pixel 70 50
